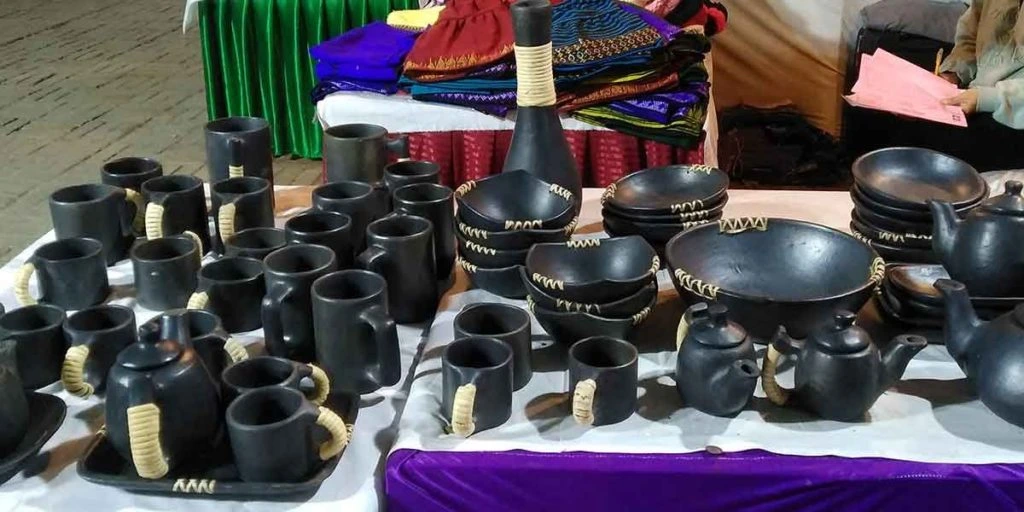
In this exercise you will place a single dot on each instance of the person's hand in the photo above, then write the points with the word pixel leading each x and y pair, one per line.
pixel 967 101
pixel 951 77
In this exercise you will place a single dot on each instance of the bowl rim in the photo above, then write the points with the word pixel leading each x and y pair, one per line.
pixel 608 195
pixel 565 195
pixel 595 243
pixel 858 172
pixel 636 319
pixel 532 289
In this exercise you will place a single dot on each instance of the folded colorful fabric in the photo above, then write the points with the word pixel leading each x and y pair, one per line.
pixel 468 34
pixel 325 87
pixel 376 45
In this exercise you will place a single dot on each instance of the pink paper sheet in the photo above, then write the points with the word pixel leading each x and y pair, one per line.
pixel 889 83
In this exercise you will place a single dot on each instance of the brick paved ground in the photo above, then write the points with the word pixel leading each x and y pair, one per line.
pixel 85 81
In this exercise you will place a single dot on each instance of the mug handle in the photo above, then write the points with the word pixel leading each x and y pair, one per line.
pixel 198 300
pixel 144 431
pixel 372 259
pixel 72 372
pixel 385 334
pixel 235 350
pixel 321 382
pixel 226 217
pixel 155 221
pixel 462 410
pixel 273 326
pixel 339 431
pixel 199 245
pixel 135 200
pixel 583 401
pixel 21 280
pixel 399 146
pixel 235 147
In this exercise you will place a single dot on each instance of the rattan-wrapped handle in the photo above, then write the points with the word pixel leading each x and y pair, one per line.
pixel 72 372
pixel 583 401
pixel 462 410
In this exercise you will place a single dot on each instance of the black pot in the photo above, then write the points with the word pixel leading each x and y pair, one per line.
pixel 514 200
pixel 667 190
pixel 593 270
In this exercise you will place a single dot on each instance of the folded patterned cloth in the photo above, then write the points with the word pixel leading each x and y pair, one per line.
pixel 469 34
pixel 325 87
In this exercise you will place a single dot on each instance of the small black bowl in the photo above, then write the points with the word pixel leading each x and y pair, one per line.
pixel 896 253
pixel 909 177
pixel 513 240
pixel 504 282
pixel 593 270
pixel 653 232
pixel 488 257
pixel 568 328
pixel 667 190
pixel 711 211
pixel 621 308
pixel 515 200
pixel 907 240
pixel 890 223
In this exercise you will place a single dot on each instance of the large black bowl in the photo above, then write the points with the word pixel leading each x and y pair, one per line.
pixel 909 177
pixel 621 308
pixel 710 211
pixel 890 223
pixel 504 282
pixel 656 233
pixel 489 257
pixel 667 190
pixel 568 328
pixel 513 240
pixel 515 200
pixel 593 270
pixel 772 272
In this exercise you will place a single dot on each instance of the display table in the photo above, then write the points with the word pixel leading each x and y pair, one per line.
pixel 928 445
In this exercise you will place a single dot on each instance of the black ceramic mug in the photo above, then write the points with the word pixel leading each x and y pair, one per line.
pixel 255 242
pixel 175 205
pixel 38 332
pixel 288 305
pixel 215 347
pixel 329 229
pixel 14 416
pixel 277 435
pixel 401 249
pixel 130 173
pixel 359 152
pixel 240 203
pixel 71 274
pixel 239 146
pixel 102 212
pixel 233 289
pixel 360 201
pixel 264 371
pixel 410 172
pixel 356 339
pixel 505 323
pixel 96 335
pixel 602 380
pixel 165 272
pixel 477 384
pixel 434 203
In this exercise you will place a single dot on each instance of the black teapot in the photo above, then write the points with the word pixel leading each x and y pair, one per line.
pixel 982 251
pixel 839 371
pixel 990 353
pixel 716 371
pixel 162 404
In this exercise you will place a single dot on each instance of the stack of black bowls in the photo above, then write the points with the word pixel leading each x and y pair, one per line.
pixel 908 295
pixel 891 191
pixel 500 218
pixel 658 203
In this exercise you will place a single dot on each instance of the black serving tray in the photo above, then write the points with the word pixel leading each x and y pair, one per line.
pixel 46 413
pixel 212 476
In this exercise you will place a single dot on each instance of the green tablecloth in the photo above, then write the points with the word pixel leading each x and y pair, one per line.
pixel 256 59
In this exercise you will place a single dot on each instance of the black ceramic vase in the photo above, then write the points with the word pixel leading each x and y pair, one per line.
pixel 538 142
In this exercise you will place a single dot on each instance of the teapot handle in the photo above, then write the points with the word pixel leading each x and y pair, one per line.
pixel 339 431
pixel 583 401
pixel 72 373
pixel 462 410
pixel 775 393
pixel 144 431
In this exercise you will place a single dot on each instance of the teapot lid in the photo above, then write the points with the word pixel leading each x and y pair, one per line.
pixel 842 337
pixel 710 326
pixel 1011 202
pixel 152 350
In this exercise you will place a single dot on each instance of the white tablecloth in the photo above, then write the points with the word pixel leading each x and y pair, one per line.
pixel 352 486
pixel 929 417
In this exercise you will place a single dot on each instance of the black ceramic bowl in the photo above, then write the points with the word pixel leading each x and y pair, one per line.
pixel 909 177
pixel 622 308
pixel 890 223
pixel 667 190
pixel 896 253
pixel 593 270
pixel 504 282
pixel 772 272
pixel 907 240
pixel 711 211
pixel 654 232
pixel 488 257
pixel 513 240
pixel 514 200
pixel 900 213
pixel 917 282
pixel 569 328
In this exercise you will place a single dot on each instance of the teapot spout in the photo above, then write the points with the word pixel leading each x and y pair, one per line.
pixel 945 225
pixel 962 321
pixel 734 384
pixel 897 356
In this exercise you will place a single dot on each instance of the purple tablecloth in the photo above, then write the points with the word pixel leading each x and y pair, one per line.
pixel 418 481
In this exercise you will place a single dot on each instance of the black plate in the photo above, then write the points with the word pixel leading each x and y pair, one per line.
pixel 210 476
pixel 653 233
pixel 489 257
pixel 514 240
pixel 667 190
pixel 916 282
pixel 909 177
pixel 504 282
pixel 568 328
pixel 45 415
pixel 515 200
pixel 710 211
pixel 594 270
pixel 622 308
pixel 890 223
pixel 896 254
pixel 892 310
pixel 774 271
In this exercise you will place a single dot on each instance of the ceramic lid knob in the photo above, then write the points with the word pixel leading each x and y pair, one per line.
pixel 845 320
pixel 719 314
pixel 1014 187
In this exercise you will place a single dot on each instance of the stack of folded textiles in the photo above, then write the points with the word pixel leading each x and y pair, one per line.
pixel 615 64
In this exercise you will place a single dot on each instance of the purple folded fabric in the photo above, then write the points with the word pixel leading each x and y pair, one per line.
pixel 352 71
pixel 495 104
pixel 375 45
pixel 326 87
pixel 663 107
pixel 666 29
